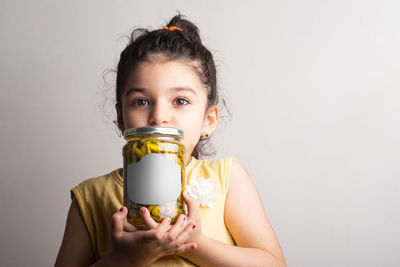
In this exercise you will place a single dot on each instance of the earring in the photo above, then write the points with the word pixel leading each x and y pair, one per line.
pixel 204 135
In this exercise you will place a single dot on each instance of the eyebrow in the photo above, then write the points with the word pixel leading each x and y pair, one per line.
pixel 177 89
pixel 133 90
pixel 187 89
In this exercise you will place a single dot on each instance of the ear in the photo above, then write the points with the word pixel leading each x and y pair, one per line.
pixel 211 119
pixel 119 117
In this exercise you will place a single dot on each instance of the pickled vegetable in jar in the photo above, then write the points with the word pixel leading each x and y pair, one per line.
pixel 153 173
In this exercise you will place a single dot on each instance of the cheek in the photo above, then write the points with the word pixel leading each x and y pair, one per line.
pixel 192 123
pixel 192 136
pixel 132 119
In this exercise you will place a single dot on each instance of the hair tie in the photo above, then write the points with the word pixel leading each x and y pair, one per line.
pixel 172 28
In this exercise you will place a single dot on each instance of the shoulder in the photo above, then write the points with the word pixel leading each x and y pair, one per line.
pixel 113 176
pixel 99 192
pixel 238 172
pixel 218 170
pixel 99 183
pixel 222 164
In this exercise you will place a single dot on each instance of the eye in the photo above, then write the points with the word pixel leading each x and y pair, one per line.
pixel 180 101
pixel 139 102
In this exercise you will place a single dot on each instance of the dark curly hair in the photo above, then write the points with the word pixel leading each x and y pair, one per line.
pixel 161 44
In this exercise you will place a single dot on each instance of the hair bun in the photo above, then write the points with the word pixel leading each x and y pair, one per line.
pixel 189 30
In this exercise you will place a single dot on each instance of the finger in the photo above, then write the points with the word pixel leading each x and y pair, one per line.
pixel 128 227
pixel 161 229
pixel 176 229
pixel 193 208
pixel 117 224
pixel 185 248
pixel 147 219
pixel 185 234
pixel 154 234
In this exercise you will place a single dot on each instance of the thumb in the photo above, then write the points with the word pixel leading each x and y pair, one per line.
pixel 192 205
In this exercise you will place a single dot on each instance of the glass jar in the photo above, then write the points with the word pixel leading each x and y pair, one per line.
pixel 153 173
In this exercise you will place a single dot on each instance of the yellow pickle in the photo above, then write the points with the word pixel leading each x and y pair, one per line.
pixel 153 173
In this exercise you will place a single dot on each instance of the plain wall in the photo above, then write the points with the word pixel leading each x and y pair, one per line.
pixel 314 90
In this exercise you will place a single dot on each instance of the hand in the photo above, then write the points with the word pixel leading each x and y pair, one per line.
pixel 193 218
pixel 142 247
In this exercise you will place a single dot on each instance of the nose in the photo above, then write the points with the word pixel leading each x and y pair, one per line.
pixel 159 115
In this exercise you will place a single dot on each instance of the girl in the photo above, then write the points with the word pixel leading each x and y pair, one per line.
pixel 166 77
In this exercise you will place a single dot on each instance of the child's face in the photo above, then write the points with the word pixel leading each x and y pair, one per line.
pixel 167 94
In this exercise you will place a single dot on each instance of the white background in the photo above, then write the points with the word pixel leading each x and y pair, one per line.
pixel 313 87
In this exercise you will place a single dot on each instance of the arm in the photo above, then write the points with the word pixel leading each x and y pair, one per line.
pixel 131 247
pixel 245 218
pixel 76 248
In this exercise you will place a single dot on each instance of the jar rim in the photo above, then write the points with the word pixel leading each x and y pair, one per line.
pixel 153 130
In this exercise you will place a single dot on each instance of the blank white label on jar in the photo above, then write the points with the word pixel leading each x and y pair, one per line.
pixel 154 180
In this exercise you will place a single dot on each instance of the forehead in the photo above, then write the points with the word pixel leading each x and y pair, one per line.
pixel 156 74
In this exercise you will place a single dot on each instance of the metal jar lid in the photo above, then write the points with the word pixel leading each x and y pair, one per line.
pixel 153 130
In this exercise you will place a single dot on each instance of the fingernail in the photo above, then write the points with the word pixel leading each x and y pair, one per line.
pixel 186 193
pixel 141 211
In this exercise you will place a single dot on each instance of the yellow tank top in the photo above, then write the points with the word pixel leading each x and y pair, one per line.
pixel 99 198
